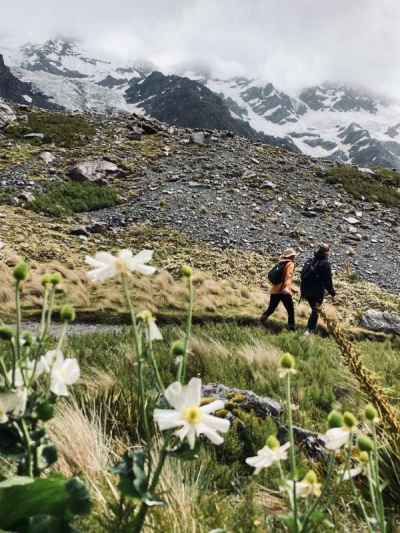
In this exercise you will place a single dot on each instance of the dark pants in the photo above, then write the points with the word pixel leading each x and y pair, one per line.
pixel 287 301
pixel 315 303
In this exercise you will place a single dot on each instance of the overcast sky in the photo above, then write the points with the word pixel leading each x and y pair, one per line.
pixel 292 43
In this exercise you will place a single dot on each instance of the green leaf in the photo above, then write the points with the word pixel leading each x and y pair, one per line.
pixel 54 496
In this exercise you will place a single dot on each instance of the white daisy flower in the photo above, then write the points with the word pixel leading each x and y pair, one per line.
pixel 187 414
pixel 63 371
pixel 270 454
pixel 106 265
pixel 309 486
pixel 335 438
pixel 12 403
pixel 153 332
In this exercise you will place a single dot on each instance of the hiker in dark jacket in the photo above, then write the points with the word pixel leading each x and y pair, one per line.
pixel 316 281
pixel 283 291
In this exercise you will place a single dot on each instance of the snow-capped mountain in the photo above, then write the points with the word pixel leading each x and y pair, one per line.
pixel 329 121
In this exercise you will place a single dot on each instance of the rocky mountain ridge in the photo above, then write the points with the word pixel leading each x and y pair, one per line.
pixel 315 121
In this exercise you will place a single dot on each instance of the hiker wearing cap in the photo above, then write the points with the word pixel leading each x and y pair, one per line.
pixel 316 281
pixel 281 277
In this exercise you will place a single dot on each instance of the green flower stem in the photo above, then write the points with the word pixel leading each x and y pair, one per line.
pixel 323 492
pixel 132 313
pixel 49 311
pixel 18 330
pixel 141 515
pixel 375 472
pixel 62 336
pixel 3 370
pixel 28 446
pixel 183 364
pixel 44 309
pixel 139 355
pixel 358 498
pixel 155 368
pixel 371 482
pixel 292 452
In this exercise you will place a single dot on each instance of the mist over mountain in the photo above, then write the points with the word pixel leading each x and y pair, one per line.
pixel 329 120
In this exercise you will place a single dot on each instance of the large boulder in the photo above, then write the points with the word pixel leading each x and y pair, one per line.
pixel 249 401
pixel 95 170
pixel 7 115
pixel 381 321
pixel 264 408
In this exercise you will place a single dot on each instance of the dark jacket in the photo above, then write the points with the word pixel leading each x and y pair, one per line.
pixel 321 280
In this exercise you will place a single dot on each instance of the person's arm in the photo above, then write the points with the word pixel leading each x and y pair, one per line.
pixel 287 282
pixel 327 279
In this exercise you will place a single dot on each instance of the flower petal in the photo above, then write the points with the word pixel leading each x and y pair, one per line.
pixel 218 424
pixel 167 418
pixel 144 269
pixel 71 371
pixel 212 407
pixel 210 433
pixel 58 387
pixel 143 257
pixel 174 395
pixel 154 331
pixel 192 393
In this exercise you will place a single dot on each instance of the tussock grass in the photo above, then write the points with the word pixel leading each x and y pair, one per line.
pixel 379 187
pixel 65 199
pixel 59 128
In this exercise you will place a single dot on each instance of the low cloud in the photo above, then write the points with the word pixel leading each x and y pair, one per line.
pixel 292 43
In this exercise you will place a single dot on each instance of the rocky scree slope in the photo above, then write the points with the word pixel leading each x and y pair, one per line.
pixel 327 121
pixel 215 188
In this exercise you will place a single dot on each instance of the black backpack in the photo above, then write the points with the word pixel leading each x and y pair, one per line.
pixel 276 274
pixel 309 276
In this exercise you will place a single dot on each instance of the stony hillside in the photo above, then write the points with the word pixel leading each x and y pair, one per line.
pixel 107 174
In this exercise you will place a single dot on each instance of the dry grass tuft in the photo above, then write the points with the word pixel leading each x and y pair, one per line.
pixel 83 444
pixel 264 354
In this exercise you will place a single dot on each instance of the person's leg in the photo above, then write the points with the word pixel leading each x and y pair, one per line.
pixel 313 320
pixel 273 304
pixel 287 301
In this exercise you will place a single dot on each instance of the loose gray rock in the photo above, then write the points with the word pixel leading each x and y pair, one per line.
pixel 47 157
pixel 39 136
pixel 198 137
pixel 381 321
pixel 261 405
pixel 94 170
pixel 7 115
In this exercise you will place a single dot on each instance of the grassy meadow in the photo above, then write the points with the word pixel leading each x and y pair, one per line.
pixel 218 490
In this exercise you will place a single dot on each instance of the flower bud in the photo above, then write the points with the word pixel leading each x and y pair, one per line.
pixel 145 316
pixel 178 348
pixel 187 271
pixel 6 333
pixel 273 443
pixel 335 419
pixel 21 271
pixel 363 457
pixel 350 421
pixel 311 477
pixel 46 280
pixel 45 411
pixel 371 414
pixel 287 361
pixel 365 444
pixel 55 279
pixel 67 313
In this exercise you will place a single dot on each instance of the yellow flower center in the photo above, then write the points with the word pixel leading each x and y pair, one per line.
pixel 193 415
